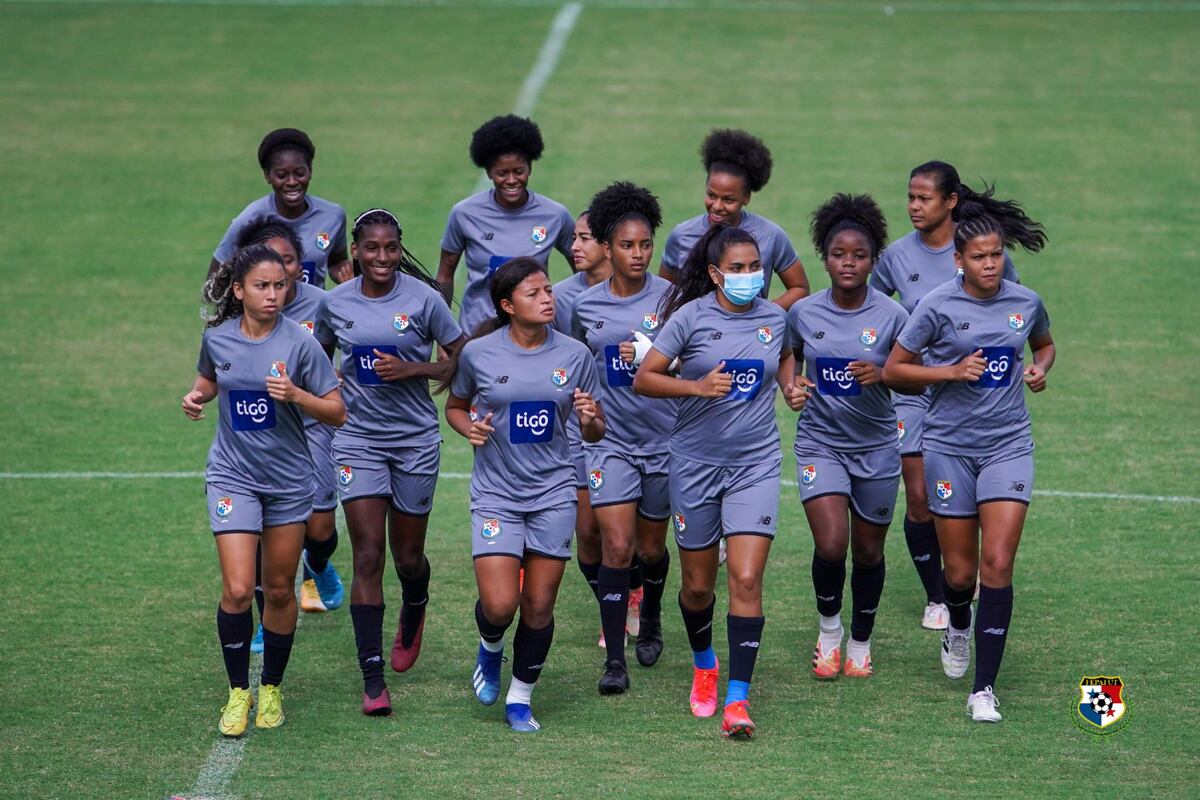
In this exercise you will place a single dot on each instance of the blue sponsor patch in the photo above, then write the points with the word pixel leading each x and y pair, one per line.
pixel 619 371
pixel 251 410
pixel 364 362
pixel 1000 363
pixel 834 378
pixel 496 262
pixel 531 421
pixel 747 376
pixel 309 274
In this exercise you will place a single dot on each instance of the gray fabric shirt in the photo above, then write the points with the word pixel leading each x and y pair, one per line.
pixel 322 230
pixel 987 417
pixel 405 323
pixel 565 293
pixel 526 463
pixel 303 311
pixel 739 428
pixel 260 444
pixel 488 235
pixel 774 248
pixel 908 269
pixel 842 413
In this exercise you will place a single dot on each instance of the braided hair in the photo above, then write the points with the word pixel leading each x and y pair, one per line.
pixel 409 264
pixel 219 301
pixel 263 229
pixel 693 280
pixel 857 212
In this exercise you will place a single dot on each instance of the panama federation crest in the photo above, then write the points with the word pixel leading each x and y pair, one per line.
pixel 224 506
pixel 595 479
pixel 944 490
pixel 277 369
pixel 559 376
pixel 1016 321
pixel 680 524
pixel 650 321
pixel 1102 703
pixel 322 241
pixel 764 335
pixel 400 322
pixel 538 234
pixel 490 529
pixel 345 474
pixel 869 336
pixel 808 474
pixel 307 325
pixel 900 430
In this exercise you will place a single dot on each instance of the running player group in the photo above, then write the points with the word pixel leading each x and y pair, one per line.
pixel 610 406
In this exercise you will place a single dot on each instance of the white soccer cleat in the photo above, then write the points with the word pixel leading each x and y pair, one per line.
pixel 936 617
pixel 981 706
pixel 956 653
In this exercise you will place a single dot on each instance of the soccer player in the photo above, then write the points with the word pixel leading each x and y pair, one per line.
pixel 738 165
pixel 724 449
pixel 511 390
pixel 627 469
pixel 909 269
pixel 847 461
pixel 977 439
pixel 386 322
pixel 286 157
pixel 503 222
pixel 267 375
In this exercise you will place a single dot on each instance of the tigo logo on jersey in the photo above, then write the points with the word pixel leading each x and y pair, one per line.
pixel 1101 704
pixel 764 335
pixel 400 322
pixel 1016 321
pixel 999 369
pixel 251 410
pixel 869 336
pixel 496 262
pixel 322 241
pixel 365 360
pixel 277 369
pixel 595 479
pixel 808 474
pixel 490 529
pixel 345 474
pixel 307 325
pixel 617 370
pixel 747 374
pixel 538 234
pixel 650 321
pixel 835 379
pixel 559 376
pixel 680 524
pixel 901 430
pixel 531 421
pixel 944 490
pixel 224 506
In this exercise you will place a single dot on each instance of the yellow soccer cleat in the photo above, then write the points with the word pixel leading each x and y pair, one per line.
pixel 310 598
pixel 236 713
pixel 270 707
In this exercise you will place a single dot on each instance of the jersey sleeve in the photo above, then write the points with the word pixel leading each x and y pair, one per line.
pixel 920 329
pixel 338 243
pixel 463 385
pixel 674 336
pixel 670 258
pixel 566 236
pixel 575 326
pixel 228 245
pixel 452 238
pixel 881 276
pixel 316 373
pixel 784 255
pixel 899 320
pixel 442 326
pixel 204 364
pixel 1041 325
pixel 794 333
pixel 322 329
pixel 589 380
pixel 1010 269
pixel 564 311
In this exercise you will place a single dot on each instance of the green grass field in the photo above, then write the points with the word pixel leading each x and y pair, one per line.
pixel 127 144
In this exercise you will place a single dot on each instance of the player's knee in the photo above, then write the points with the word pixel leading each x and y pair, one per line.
pixel 830 548
pixel 696 597
pixel 745 584
pixel 618 552
pixel 868 554
pixel 996 569
pixel 279 595
pixel 959 576
pixel 368 564
pixel 410 564
pixel 499 610
pixel 536 613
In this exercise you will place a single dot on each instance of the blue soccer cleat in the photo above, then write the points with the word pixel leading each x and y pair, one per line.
pixel 330 591
pixel 520 718
pixel 256 644
pixel 486 680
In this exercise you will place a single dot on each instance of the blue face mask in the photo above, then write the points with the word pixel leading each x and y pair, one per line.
pixel 742 287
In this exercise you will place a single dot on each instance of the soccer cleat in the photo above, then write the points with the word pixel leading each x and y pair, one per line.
pixel 328 583
pixel 380 706
pixel 936 617
pixel 981 705
pixel 520 718
pixel 615 679
pixel 703 699
pixel 256 644
pixel 855 669
pixel 404 657
pixel 270 707
pixel 736 723
pixel 826 666
pixel 310 598
pixel 633 614
pixel 236 713
pixel 956 653
pixel 486 680
pixel 649 644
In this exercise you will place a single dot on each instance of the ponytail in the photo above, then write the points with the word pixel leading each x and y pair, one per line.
pixel 219 301
pixel 1007 219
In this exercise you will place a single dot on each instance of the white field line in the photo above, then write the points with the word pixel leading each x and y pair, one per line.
pixel 900 7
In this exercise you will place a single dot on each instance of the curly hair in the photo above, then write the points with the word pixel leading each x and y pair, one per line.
pixel 737 153
pixel 501 136
pixel 858 212
pixel 693 280
pixel 219 301
pixel 619 202
pixel 285 139
pixel 262 229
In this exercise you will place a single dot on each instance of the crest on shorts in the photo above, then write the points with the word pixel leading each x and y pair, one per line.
pixel 809 473
pixel 595 479
pixel 1101 703
pixel 345 474
pixel 400 322
pixel 538 234
pixel 900 430
pixel 764 335
pixel 650 321
pixel 224 506
pixel 869 336
pixel 322 241
pixel 1016 321
pixel 307 325
pixel 945 490
pixel 490 529
pixel 277 369
pixel 680 524
pixel 559 376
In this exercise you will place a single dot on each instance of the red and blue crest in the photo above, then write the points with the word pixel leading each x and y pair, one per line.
pixel 1016 321
pixel 1101 702
pixel 869 336
pixel 945 490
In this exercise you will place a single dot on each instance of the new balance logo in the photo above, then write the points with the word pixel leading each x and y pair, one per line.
pixel 819 335
pixel 749 644
pixel 349 324
pixel 487 237
pixel 964 326
pixel 424 501
pixel 827 599
pixel 994 631
pixel 235 645
pixel 925 557
pixel 870 610
pixel 1017 486
pixel 598 325
pixel 764 520
pixel 916 276
pixel 225 367
pixel 538 666
pixel 653 582
pixel 716 335
pixel 373 659
pixel 612 598
pixel 502 379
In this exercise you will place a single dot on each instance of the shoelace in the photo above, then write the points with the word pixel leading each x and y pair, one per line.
pixel 708 681
pixel 988 694
pixel 236 701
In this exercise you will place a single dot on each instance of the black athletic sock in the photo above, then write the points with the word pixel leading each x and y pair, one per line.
pixel 698 625
pixel 591 574
pixel 488 631
pixel 744 636
pixel 320 552
pixel 260 599
pixel 991 632
pixel 415 592
pixel 277 649
pixel 828 579
pixel 927 557
pixel 368 636
pixel 959 603
pixel 635 574
pixel 866 587
pixel 654 581
pixel 614 604
pixel 530 648
pixel 235 631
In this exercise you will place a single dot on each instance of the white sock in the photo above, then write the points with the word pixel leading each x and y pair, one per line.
pixel 831 632
pixel 858 651
pixel 492 647
pixel 519 692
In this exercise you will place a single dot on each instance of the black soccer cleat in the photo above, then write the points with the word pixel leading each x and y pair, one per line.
pixel 615 679
pixel 649 641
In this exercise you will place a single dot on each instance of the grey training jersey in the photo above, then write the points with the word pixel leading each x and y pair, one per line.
pixel 738 428
pixel 526 464
pixel 303 311
pixel 322 230
pixel 842 413
pixel 404 323
pixel 908 270
pixel 488 235
pixel 565 293
pixel 634 425
pixel 260 444
pixel 774 247
pixel 987 417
